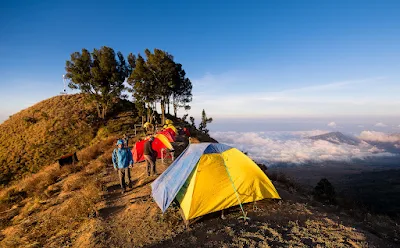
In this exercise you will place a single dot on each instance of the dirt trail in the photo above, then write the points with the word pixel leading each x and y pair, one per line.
pixel 133 219
pixel 115 201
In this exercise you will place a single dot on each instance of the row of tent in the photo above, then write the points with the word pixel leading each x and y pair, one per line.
pixel 206 177
pixel 162 140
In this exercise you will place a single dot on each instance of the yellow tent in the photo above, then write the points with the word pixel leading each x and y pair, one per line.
pixel 164 140
pixel 209 177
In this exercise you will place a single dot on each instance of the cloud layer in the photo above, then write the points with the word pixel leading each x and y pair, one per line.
pixel 294 147
pixel 379 137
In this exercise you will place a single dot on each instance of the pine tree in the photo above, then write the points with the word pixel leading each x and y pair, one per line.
pixel 204 122
pixel 98 74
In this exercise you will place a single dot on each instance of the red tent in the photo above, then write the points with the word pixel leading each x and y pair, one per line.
pixel 171 131
pixel 171 138
pixel 186 131
pixel 157 145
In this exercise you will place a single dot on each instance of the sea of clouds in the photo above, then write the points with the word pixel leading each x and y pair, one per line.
pixel 379 137
pixel 296 147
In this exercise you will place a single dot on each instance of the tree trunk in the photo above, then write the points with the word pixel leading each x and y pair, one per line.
pixel 175 109
pixel 168 105
pixel 104 112
pixel 148 113
pixel 98 110
pixel 162 112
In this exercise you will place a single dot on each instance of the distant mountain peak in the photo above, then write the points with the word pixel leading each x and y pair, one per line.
pixel 337 138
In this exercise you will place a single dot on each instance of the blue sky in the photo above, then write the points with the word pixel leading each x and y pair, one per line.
pixel 336 61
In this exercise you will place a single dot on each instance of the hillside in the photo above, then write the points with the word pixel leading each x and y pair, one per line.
pixel 60 125
pixel 82 206
pixel 40 134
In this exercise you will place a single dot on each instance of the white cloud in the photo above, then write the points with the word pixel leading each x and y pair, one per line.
pixel 294 148
pixel 380 124
pixel 379 136
pixel 332 124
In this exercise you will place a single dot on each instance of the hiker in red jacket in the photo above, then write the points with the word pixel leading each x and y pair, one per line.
pixel 150 156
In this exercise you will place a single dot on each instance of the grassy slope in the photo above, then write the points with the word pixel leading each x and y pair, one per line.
pixel 82 207
pixel 47 208
pixel 40 134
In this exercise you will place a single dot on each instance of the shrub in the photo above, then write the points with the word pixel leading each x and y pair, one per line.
pixel 325 192
pixel 29 120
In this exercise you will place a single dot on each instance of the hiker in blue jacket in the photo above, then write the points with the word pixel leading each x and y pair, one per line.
pixel 122 160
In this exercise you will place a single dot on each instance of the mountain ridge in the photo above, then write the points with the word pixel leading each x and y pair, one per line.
pixel 337 138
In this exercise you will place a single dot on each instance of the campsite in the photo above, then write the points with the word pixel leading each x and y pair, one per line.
pixel 183 211
pixel 199 124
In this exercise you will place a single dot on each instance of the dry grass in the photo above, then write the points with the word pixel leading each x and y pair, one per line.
pixel 92 152
pixel 59 201
pixel 73 182
pixel 58 220
pixel 42 133
pixel 37 183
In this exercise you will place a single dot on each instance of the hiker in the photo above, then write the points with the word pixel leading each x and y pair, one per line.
pixel 148 127
pixel 122 160
pixel 150 156
pixel 125 139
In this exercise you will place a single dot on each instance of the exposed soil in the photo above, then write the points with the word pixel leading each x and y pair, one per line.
pixel 134 220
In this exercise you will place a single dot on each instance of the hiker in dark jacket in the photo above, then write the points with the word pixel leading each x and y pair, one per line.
pixel 122 160
pixel 150 156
